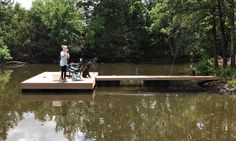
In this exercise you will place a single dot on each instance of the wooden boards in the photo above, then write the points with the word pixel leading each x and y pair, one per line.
pixel 50 81
pixel 154 78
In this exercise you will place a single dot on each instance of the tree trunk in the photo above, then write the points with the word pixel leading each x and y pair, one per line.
pixel 222 27
pixel 172 52
pixel 232 32
pixel 177 47
pixel 174 49
pixel 215 40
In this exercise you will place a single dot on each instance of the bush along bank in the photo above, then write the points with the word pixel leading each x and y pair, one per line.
pixel 227 83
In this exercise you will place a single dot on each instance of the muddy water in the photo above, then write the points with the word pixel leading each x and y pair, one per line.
pixel 127 113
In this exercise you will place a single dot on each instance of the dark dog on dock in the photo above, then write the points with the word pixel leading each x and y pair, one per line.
pixel 86 70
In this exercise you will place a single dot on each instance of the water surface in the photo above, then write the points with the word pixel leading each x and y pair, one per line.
pixel 127 113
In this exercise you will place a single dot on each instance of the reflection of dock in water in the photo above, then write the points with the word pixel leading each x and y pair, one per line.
pixel 56 99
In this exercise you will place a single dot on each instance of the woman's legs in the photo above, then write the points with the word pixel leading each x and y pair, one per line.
pixel 62 68
pixel 63 72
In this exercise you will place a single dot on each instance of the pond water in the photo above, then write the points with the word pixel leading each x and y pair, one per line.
pixel 127 113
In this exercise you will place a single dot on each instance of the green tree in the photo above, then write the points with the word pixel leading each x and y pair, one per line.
pixel 168 18
pixel 108 30
pixel 199 27
pixel 17 32
pixel 117 30
pixel 5 7
pixel 54 22
pixel 4 52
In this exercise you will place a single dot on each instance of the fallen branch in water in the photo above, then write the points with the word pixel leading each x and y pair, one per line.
pixel 14 63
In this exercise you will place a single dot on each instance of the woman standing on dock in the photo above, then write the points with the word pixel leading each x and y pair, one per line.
pixel 63 62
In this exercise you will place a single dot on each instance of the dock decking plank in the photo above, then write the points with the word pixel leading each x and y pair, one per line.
pixel 50 80
pixel 146 77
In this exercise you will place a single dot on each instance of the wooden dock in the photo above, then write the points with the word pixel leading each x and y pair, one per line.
pixel 154 78
pixel 50 81
pixel 149 81
pixel 47 81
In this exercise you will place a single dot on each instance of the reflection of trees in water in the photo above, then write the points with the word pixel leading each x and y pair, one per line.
pixel 5 76
pixel 149 118
pixel 127 117
pixel 68 115
pixel 9 105
pixel 69 119
pixel 165 118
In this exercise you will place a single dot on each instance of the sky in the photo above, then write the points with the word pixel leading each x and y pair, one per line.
pixel 27 4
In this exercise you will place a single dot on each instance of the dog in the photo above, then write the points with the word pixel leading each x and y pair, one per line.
pixel 85 72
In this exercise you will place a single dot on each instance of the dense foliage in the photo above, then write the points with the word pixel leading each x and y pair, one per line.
pixel 205 67
pixel 4 52
pixel 120 30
